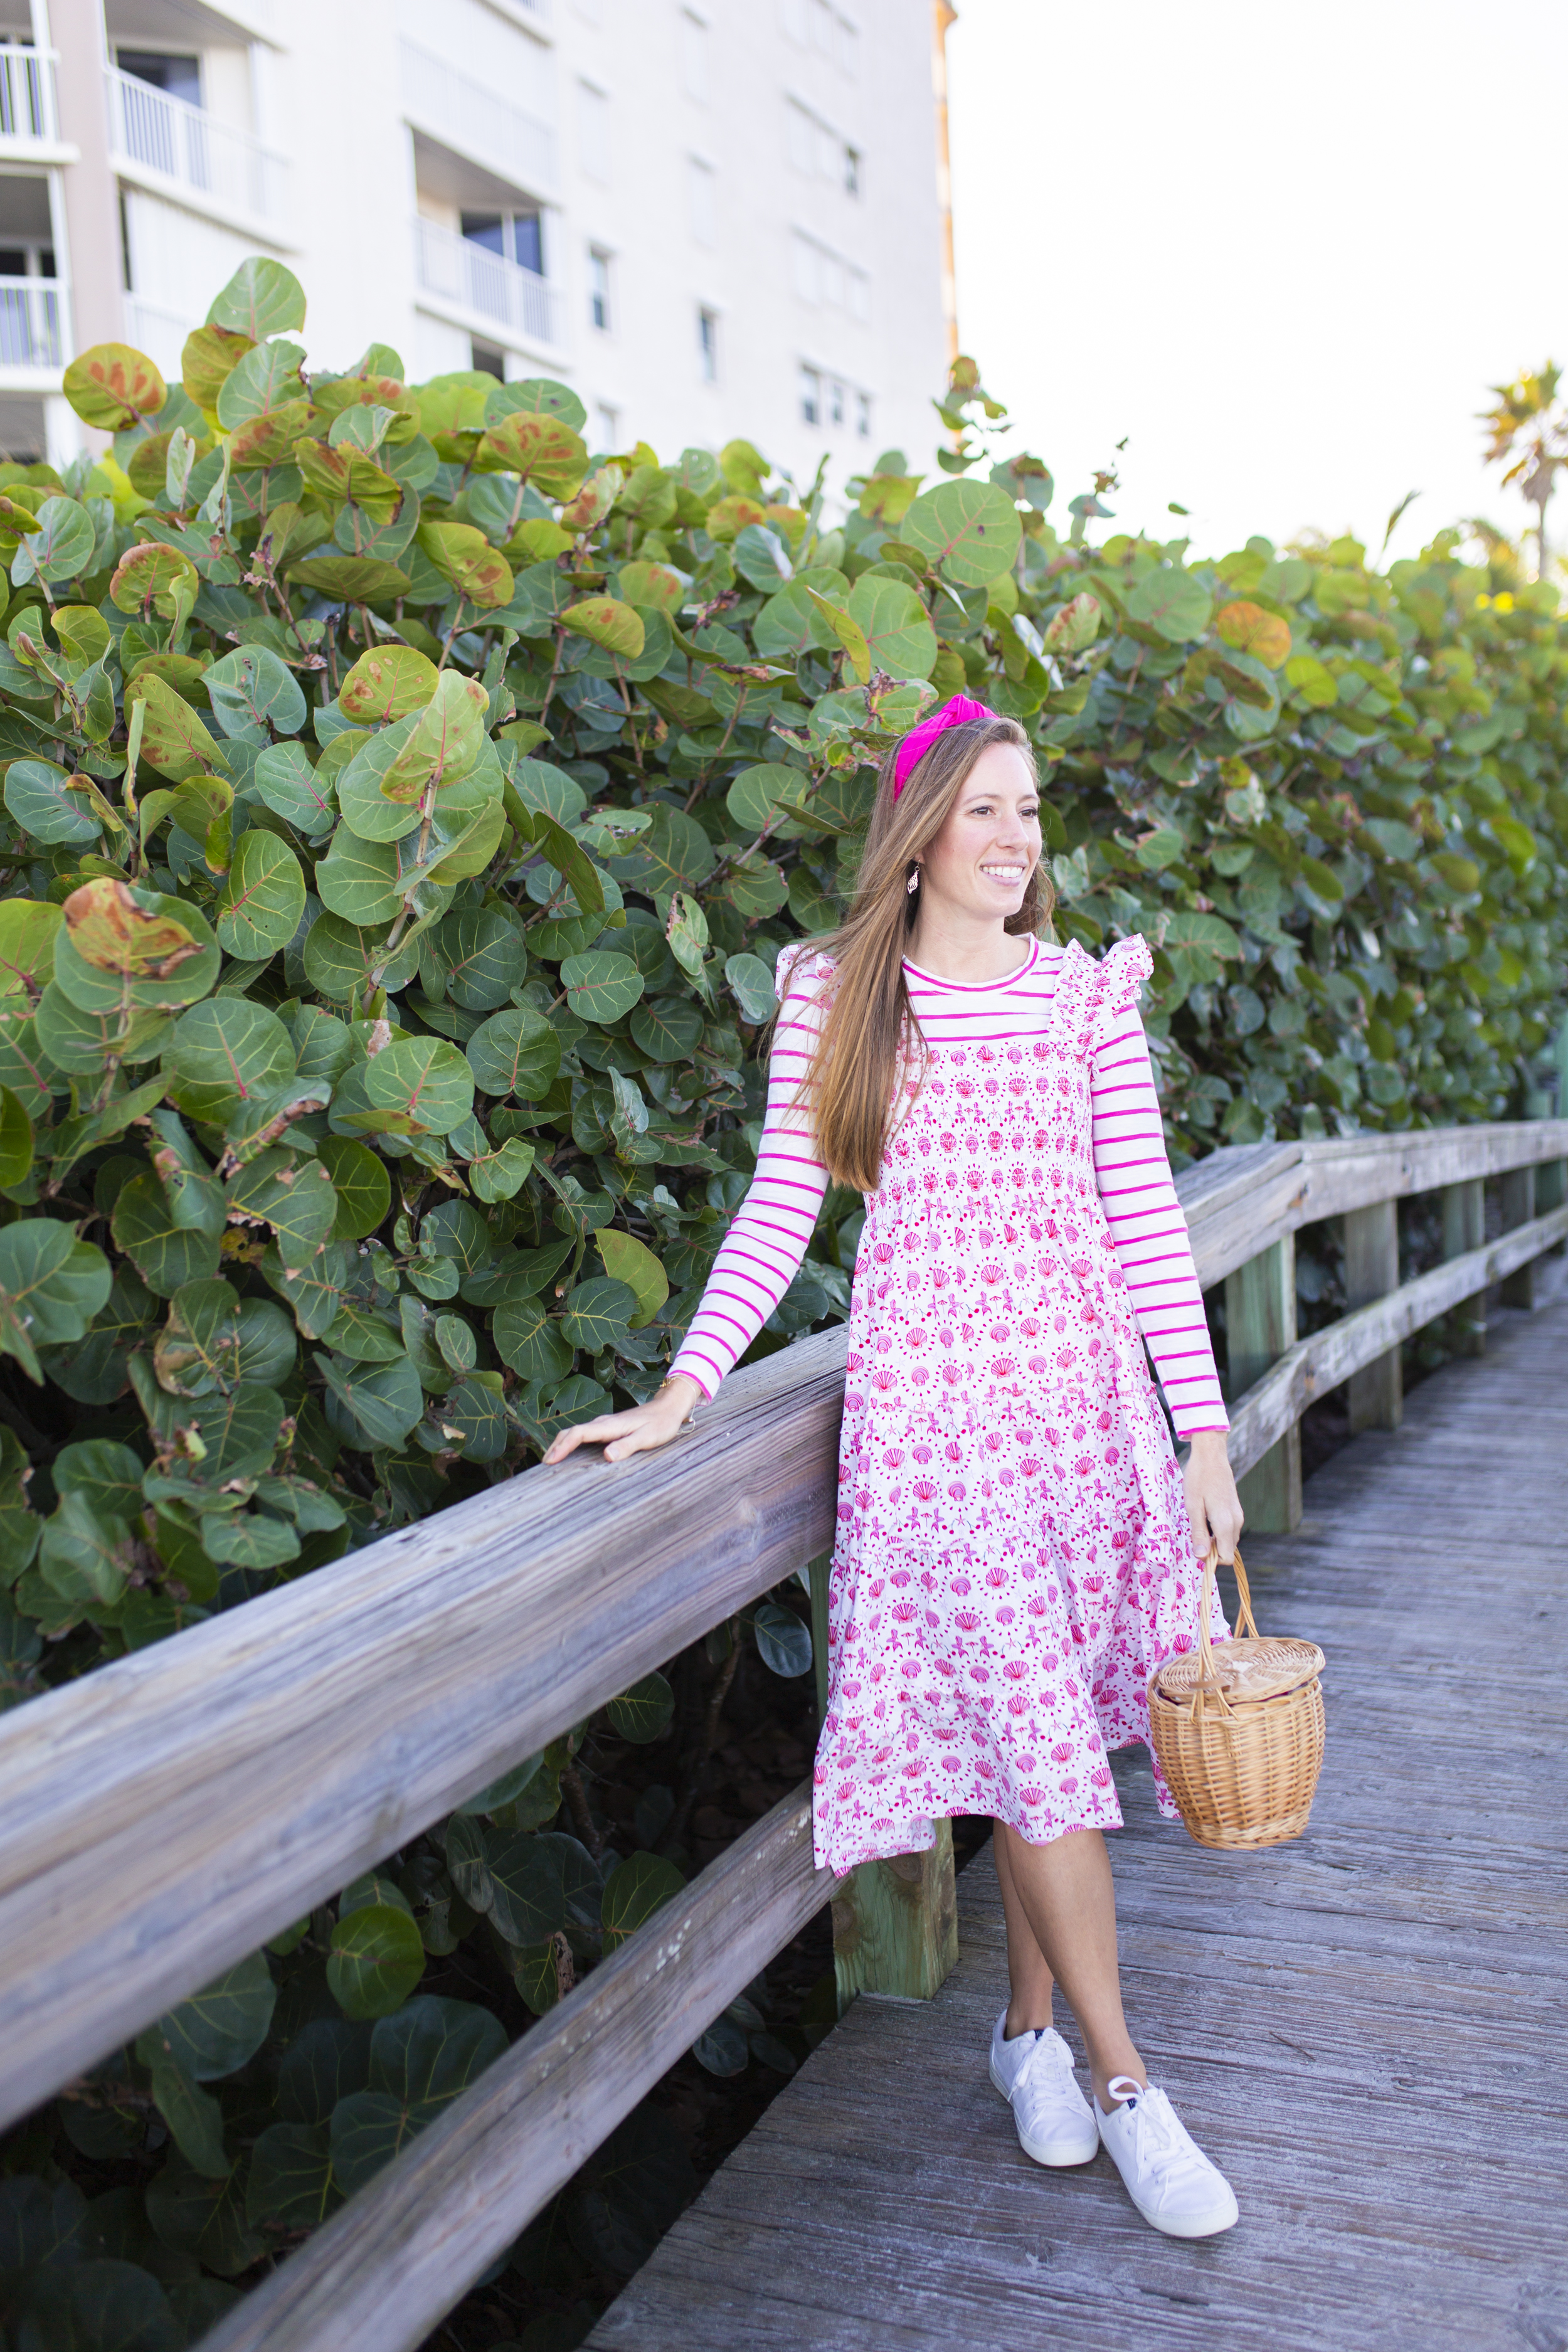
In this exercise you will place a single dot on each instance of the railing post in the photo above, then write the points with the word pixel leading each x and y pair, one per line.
pixel 895 1923
pixel 1516 1191
pixel 1260 1324
pixel 1372 1270
pixel 1551 1175
pixel 1463 1229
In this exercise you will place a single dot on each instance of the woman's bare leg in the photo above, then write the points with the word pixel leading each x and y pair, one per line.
pixel 1029 1973
pixel 1068 1903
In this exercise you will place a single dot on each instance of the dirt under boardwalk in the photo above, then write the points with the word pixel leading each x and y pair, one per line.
pixel 1365 2028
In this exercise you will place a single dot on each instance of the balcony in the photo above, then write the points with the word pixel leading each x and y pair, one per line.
pixel 30 322
pixel 473 120
pixel 181 151
pixel 28 121
pixel 490 296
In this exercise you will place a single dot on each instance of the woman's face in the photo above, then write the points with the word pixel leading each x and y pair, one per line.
pixel 979 865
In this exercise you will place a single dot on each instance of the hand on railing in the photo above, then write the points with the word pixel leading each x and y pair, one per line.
pixel 643 1429
pixel 1213 1506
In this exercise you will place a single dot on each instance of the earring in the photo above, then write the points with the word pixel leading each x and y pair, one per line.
pixel 914 884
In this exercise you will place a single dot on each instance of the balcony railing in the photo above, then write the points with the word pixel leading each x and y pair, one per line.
pixel 200 154
pixel 464 114
pixel 27 93
pixel 30 322
pixel 519 305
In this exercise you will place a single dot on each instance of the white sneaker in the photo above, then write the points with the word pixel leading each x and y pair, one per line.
pixel 1034 2073
pixel 1167 2176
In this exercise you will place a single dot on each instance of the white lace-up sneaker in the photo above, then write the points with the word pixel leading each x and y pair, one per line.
pixel 1167 2176
pixel 1034 2073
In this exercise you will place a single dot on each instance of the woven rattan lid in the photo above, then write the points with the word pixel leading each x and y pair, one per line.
pixel 1247 1671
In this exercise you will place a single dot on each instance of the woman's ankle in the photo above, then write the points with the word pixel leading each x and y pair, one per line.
pixel 1126 2067
pixel 1027 2017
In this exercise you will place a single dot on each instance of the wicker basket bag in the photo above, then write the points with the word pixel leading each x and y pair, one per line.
pixel 1238 1728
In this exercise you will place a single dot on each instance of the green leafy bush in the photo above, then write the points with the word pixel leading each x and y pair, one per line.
pixel 404 812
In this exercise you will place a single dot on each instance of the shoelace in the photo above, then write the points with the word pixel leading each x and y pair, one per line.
pixel 1160 2141
pixel 1049 2053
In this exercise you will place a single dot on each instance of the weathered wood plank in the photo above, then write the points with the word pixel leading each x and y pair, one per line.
pixel 1465 1229
pixel 1352 2024
pixel 402 2251
pixel 1372 1270
pixel 1274 1404
pixel 167 1813
pixel 1517 1201
pixel 1260 1328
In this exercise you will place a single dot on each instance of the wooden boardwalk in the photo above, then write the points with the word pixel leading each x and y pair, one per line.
pixel 1366 2029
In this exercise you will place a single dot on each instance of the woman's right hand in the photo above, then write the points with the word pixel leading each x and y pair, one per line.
pixel 646 1427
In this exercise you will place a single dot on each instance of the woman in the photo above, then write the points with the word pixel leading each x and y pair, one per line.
pixel 1016 1551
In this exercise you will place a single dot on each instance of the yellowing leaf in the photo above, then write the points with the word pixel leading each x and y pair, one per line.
pixel 540 449
pixel 387 683
pixel 109 931
pixel 465 557
pixel 1251 630
pixel 113 388
pixel 607 622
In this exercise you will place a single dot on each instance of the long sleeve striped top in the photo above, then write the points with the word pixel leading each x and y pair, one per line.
pixel 768 1237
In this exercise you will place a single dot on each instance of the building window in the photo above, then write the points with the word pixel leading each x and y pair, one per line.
pixel 827 281
pixel 708 345
pixel 510 237
pixel 851 172
pixel 817 149
pixel 835 403
pixel 599 289
pixel 176 75
pixel 488 360
pixel 606 425
pixel 862 415
pixel 594 131
pixel 810 396
pixel 694 57
pixel 704 214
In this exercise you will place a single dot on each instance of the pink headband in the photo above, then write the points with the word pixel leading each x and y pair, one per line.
pixel 959 713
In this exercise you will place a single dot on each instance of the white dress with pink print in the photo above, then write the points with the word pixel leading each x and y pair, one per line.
pixel 1013 1556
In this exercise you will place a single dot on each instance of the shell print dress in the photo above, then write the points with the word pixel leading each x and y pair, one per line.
pixel 1014 1558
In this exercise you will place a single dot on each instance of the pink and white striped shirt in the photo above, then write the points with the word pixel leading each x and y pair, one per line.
pixel 768 1238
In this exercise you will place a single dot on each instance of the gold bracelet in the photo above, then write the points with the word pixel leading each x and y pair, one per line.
pixel 669 1383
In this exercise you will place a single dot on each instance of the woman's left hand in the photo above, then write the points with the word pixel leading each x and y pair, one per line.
pixel 1213 1506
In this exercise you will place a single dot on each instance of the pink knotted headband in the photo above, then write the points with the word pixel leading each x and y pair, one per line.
pixel 919 740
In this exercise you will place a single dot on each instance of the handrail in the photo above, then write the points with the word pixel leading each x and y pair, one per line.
pixel 289 1744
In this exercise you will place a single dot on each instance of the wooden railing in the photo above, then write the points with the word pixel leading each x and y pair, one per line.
pixel 166 1815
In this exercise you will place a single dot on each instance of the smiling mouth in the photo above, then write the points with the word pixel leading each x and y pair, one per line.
pixel 1003 873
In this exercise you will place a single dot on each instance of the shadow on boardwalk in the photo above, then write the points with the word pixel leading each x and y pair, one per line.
pixel 1365 2028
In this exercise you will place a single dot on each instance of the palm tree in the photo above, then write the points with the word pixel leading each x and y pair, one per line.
pixel 1530 425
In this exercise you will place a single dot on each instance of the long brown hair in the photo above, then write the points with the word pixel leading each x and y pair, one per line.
pixel 870 1040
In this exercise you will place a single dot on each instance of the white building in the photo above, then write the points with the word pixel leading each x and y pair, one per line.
pixel 712 217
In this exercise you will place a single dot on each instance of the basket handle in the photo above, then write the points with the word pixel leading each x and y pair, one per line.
pixel 1208 1686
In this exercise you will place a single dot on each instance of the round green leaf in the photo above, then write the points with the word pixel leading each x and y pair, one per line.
pixel 633 1263
pixel 758 793
pixel 255 694
pixel 51 1286
pixel 548 789
pixel 86 1042
pixel 668 1028
pixel 39 797
pixel 219 2028
pixel 165 1256
pixel 100 2305
pixel 638 1886
pixel 293 790
pixel 783 1640
pixel 366 881
pixel 897 628
pixel 674 853
pixel 972 529
pixel 227 1052
pixel 598 1314
pixel 607 622
pixel 385 1400
pixel 531 1340
pixel 484 955
pixel 364 1188
pixel 261 298
pixel 262 898
pixel 388 683
pixel 423 1080
pixel 1173 603
pixel 340 960
pixel 752 986
pixel 61 546
pixel 377 1959
pixel 644 1712
pixel 600 986
pixel 15 1139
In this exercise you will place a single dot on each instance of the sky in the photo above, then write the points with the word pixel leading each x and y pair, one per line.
pixel 1282 250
